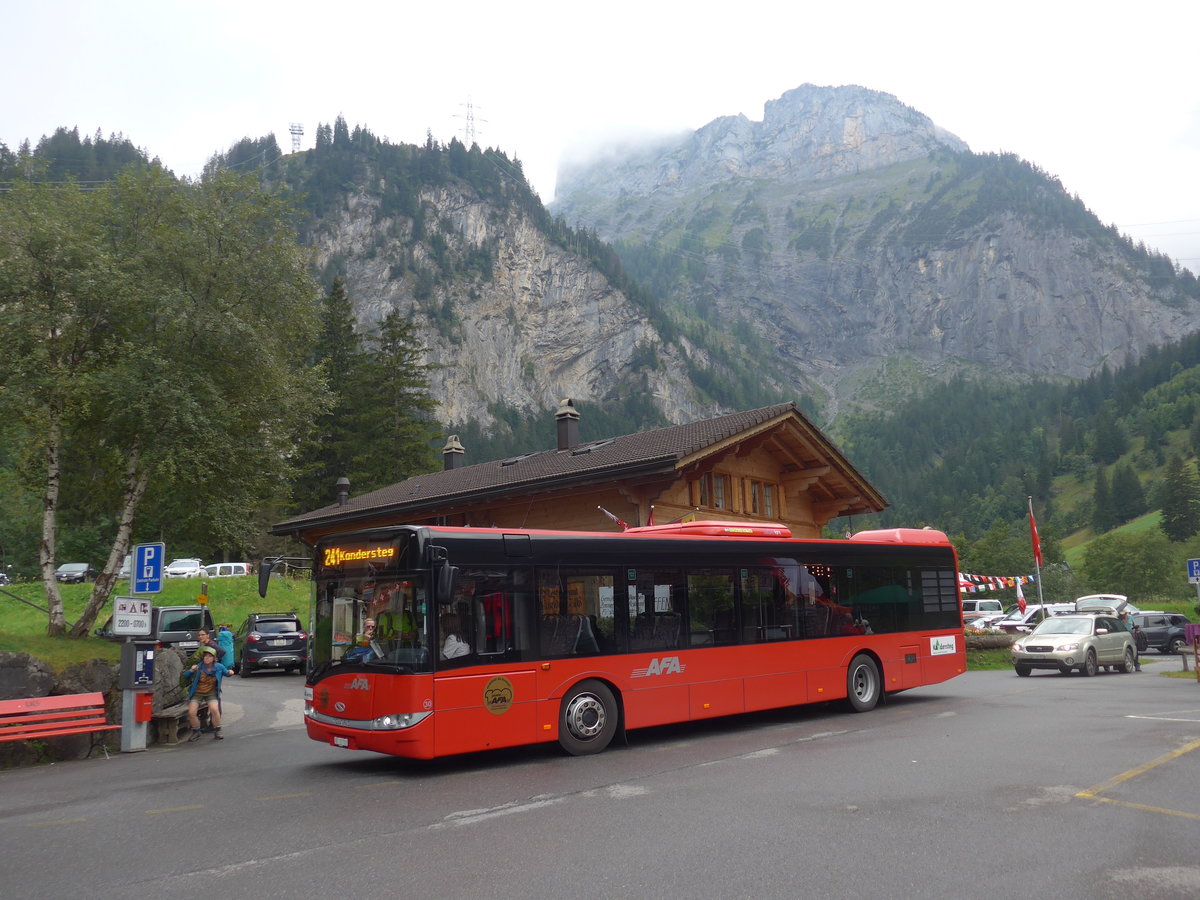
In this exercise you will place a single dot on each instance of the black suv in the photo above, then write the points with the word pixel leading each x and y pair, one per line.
pixel 1164 631
pixel 270 641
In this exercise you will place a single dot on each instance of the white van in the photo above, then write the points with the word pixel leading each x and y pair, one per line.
pixel 227 570
pixel 982 606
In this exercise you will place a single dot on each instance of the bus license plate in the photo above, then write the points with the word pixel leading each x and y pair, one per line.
pixel 341 742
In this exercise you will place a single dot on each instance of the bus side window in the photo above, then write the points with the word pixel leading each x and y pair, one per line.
pixel 710 606
pixel 655 604
pixel 577 611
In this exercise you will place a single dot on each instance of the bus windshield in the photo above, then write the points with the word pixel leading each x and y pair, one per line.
pixel 371 607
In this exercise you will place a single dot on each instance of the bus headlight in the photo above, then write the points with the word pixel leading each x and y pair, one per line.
pixel 396 721
pixel 389 722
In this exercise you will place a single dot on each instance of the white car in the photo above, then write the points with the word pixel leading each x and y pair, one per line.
pixel 1112 604
pixel 227 570
pixel 185 568
pixel 1023 622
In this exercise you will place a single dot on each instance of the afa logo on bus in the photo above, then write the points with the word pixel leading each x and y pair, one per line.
pixel 668 665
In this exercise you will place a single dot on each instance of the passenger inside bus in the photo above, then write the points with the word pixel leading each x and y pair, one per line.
pixel 453 644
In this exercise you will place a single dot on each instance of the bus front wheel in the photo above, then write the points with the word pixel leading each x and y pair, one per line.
pixel 588 719
pixel 862 683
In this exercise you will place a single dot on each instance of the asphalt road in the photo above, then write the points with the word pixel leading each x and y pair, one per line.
pixel 989 786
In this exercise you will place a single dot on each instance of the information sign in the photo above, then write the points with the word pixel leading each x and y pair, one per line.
pixel 131 616
pixel 1194 571
pixel 148 568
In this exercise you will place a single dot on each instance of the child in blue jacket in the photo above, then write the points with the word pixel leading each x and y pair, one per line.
pixel 206 688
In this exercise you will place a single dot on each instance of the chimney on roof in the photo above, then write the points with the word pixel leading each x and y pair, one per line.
pixel 343 491
pixel 567 419
pixel 452 453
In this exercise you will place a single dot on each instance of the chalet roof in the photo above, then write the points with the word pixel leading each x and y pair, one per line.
pixel 661 451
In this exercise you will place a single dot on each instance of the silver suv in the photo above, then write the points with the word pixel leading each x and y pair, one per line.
pixel 1083 642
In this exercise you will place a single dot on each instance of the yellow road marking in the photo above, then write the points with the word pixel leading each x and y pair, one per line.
pixel 1144 808
pixel 1093 793
pixel 152 812
pixel 55 822
pixel 1090 793
pixel 286 796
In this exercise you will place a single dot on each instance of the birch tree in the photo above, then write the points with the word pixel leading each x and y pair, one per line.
pixel 155 334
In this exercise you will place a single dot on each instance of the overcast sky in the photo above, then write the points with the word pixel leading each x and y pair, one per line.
pixel 1106 98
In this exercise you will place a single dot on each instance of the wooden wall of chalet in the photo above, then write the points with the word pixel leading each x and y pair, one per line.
pixel 671 498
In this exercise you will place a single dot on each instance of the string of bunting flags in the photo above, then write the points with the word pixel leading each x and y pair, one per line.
pixel 973 584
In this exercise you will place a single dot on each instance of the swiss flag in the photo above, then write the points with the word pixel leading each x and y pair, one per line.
pixel 1020 597
pixel 1037 544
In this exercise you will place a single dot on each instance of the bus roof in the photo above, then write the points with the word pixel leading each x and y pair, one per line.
pixel 724 529
pixel 902 536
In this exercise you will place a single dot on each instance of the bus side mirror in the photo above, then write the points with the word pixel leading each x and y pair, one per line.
pixel 446 576
pixel 264 573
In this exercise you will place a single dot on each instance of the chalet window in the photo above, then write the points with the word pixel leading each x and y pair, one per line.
pixel 714 491
pixel 762 499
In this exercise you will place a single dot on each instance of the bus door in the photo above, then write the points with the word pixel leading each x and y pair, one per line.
pixel 485 691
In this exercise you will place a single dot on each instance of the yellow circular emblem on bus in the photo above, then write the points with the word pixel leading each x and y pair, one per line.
pixel 498 695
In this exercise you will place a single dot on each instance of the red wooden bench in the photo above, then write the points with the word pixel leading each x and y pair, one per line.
pixel 37 718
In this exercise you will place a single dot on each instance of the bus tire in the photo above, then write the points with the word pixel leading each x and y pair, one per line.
pixel 863 685
pixel 587 719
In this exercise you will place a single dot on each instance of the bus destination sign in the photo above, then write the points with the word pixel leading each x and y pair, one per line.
pixel 340 556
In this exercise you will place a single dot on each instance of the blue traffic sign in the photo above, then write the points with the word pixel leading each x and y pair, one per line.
pixel 148 568
pixel 1194 571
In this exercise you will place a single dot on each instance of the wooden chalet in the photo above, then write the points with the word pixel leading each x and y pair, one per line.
pixel 764 465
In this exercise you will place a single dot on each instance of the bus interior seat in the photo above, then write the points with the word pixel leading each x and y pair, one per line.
pixel 560 634
pixel 666 631
pixel 724 631
pixel 586 641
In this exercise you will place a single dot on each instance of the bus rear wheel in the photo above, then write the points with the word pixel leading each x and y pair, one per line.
pixel 587 720
pixel 862 683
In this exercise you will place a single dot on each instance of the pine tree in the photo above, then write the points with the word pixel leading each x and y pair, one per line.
pixel 394 417
pixel 1104 516
pixel 338 353
pixel 1128 498
pixel 1181 500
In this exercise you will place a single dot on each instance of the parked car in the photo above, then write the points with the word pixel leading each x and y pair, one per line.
pixel 1164 631
pixel 3 578
pixel 1017 621
pixel 185 568
pixel 1083 642
pixel 1112 604
pixel 227 570
pixel 74 573
pixel 270 641
pixel 982 606
pixel 170 626
pixel 126 567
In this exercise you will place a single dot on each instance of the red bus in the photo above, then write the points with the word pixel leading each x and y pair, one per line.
pixel 431 641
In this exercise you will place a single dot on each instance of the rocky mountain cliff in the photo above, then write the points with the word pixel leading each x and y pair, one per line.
pixel 808 134
pixel 862 244
pixel 542 323
pixel 841 252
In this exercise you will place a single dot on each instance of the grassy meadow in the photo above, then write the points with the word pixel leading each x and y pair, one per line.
pixel 23 627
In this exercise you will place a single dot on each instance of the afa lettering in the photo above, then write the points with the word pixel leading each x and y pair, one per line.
pixel 667 665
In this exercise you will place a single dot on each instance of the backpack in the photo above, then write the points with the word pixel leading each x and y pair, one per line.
pixel 1140 640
